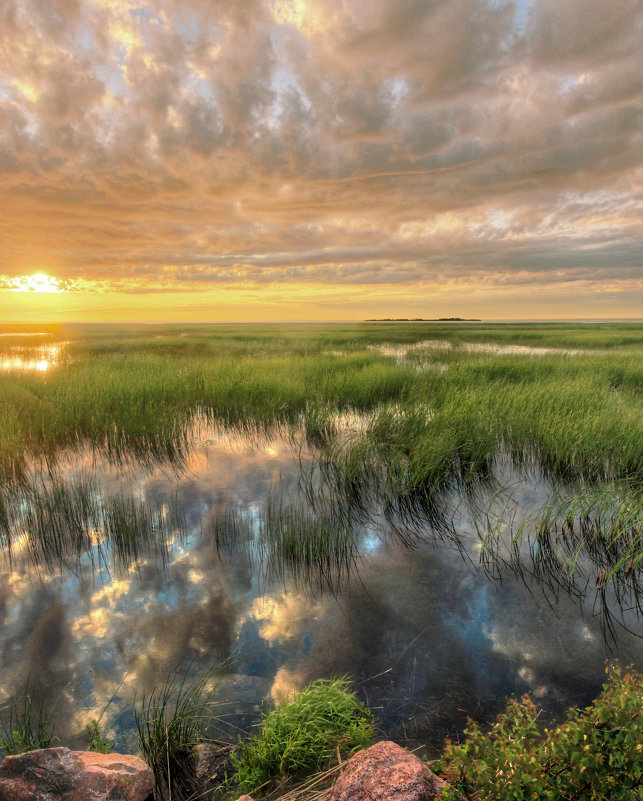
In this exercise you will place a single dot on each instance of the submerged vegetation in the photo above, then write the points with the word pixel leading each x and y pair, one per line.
pixel 26 723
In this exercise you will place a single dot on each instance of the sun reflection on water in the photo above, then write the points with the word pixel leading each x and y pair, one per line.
pixel 29 359
pixel 20 334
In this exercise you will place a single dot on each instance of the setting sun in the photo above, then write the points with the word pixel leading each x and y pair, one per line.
pixel 39 282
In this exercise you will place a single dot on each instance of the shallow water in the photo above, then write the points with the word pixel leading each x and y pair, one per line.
pixel 115 574
pixel 30 358
pixel 19 334
pixel 401 352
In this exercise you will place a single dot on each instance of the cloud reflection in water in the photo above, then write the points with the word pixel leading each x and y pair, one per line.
pixel 426 637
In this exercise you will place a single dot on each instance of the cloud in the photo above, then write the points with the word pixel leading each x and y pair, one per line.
pixel 155 144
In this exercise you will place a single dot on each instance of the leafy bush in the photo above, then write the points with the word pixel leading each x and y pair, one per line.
pixel 304 734
pixel 595 755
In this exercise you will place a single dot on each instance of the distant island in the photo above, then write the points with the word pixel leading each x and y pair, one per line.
pixel 423 320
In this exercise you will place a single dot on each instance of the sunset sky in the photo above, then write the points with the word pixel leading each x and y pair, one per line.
pixel 320 159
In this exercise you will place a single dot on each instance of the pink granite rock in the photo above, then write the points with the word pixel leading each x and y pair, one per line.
pixel 58 774
pixel 386 772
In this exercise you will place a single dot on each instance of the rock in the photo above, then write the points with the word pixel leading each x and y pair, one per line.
pixel 386 772
pixel 213 765
pixel 59 774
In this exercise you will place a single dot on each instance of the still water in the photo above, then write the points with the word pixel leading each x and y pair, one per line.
pixel 115 574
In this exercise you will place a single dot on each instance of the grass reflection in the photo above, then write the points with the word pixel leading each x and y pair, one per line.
pixel 67 525
pixel 582 539
pixel 400 429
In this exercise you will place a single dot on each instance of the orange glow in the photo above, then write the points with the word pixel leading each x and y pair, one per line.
pixel 320 302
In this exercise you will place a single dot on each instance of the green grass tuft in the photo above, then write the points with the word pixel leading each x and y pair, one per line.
pixel 170 721
pixel 302 735
pixel 26 724
pixel 98 742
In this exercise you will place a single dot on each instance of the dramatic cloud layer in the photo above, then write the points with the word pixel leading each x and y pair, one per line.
pixel 297 151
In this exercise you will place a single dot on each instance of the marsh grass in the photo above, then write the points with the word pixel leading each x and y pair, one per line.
pixel 27 723
pixel 287 539
pixel 134 393
pixel 586 541
pixel 171 720
pixel 124 392
pixel 595 534
pixel 311 548
pixel 303 734
pixel 65 523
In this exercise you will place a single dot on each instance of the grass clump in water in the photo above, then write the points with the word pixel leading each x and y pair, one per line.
pixel 303 734
pixel 28 725
pixel 98 741
pixel 171 720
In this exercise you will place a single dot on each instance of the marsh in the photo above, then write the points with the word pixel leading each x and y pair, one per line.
pixel 446 513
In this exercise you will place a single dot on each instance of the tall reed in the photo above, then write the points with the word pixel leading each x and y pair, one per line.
pixel 171 720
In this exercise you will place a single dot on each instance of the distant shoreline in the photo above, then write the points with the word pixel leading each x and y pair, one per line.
pixel 423 320
pixel 31 324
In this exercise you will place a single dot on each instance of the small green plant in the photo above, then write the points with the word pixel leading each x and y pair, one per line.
pixel 594 755
pixel 304 734
pixel 26 725
pixel 170 721
pixel 97 740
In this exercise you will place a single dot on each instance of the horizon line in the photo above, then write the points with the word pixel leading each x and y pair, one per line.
pixel 329 322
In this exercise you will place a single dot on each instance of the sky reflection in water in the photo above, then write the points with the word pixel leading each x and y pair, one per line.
pixel 425 635
pixel 38 359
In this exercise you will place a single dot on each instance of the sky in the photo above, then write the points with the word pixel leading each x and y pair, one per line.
pixel 320 159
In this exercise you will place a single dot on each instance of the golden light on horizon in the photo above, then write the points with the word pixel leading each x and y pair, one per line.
pixel 341 169
pixel 38 282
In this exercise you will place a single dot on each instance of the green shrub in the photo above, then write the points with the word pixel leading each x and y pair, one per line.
pixel 594 755
pixel 304 734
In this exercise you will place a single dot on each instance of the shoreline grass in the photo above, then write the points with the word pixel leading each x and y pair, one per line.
pixel 171 720
pixel 302 735
pixel 594 753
